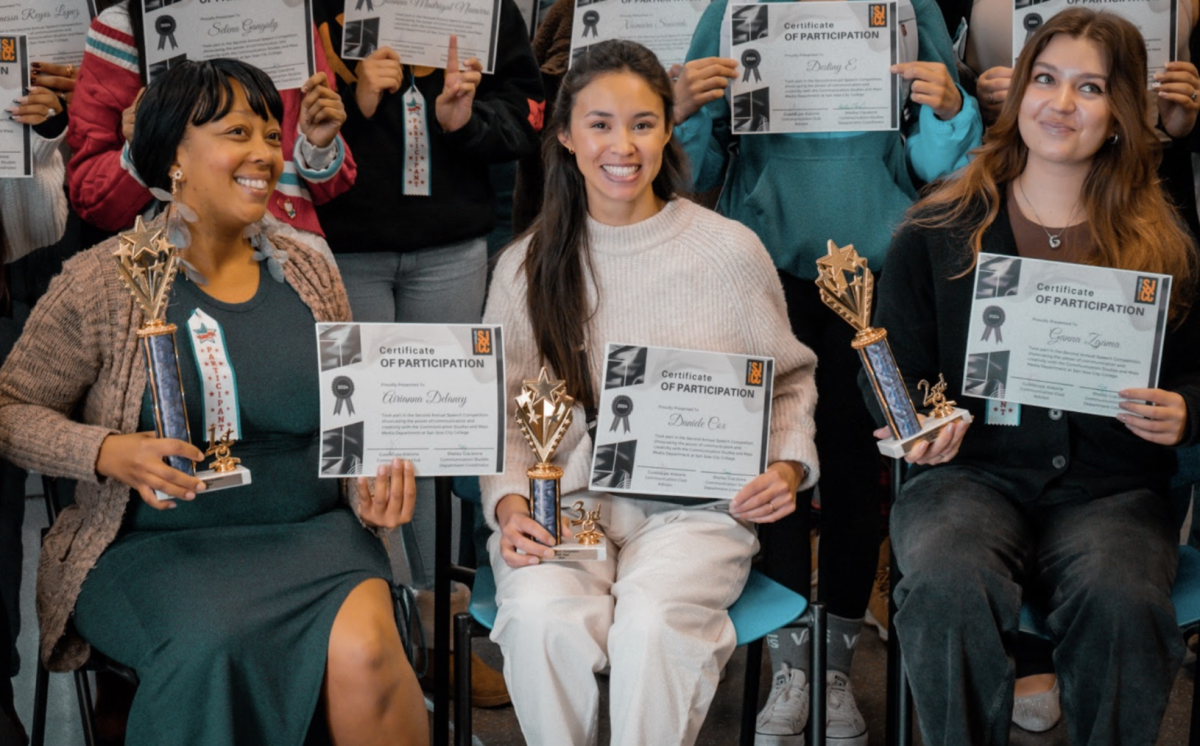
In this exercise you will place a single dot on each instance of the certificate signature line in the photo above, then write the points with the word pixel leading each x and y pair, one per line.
pixel 729 473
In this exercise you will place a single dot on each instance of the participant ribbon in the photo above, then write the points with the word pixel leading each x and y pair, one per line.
pixel 993 319
pixel 622 407
pixel 216 376
pixel 590 19
pixel 1032 23
pixel 165 26
pixel 416 144
pixel 370 7
pixel 750 60
pixel 343 388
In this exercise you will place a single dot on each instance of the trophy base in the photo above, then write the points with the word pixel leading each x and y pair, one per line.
pixel 217 480
pixel 572 551
pixel 895 448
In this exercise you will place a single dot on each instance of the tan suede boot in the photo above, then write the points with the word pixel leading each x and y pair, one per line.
pixel 487 684
pixel 877 607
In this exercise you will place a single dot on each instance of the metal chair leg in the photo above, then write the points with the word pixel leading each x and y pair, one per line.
pixel 817 667
pixel 441 612
pixel 462 679
pixel 754 651
pixel 41 692
pixel 87 716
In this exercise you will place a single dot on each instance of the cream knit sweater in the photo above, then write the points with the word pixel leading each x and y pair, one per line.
pixel 33 212
pixel 685 278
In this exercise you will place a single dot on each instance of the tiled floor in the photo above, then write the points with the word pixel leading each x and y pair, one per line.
pixel 499 727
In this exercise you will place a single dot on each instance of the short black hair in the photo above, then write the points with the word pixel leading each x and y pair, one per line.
pixel 192 93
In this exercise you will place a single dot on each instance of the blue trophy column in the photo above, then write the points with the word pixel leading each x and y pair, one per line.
pixel 889 388
pixel 162 370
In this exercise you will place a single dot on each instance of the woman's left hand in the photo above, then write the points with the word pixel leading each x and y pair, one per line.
pixel 769 496
pixel 453 106
pixel 392 502
pixel 321 112
pixel 932 86
pixel 1163 419
pixel 1178 98
pixel 36 107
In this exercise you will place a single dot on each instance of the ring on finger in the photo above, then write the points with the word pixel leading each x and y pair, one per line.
pixel 1194 94
pixel 51 111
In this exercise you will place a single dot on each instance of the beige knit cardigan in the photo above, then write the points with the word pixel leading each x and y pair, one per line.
pixel 75 377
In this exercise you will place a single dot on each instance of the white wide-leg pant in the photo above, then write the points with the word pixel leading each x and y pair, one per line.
pixel 655 611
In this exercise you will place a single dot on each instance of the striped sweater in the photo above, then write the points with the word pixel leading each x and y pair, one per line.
pixel 106 195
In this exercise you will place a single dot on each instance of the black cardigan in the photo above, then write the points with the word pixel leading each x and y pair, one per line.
pixel 926 314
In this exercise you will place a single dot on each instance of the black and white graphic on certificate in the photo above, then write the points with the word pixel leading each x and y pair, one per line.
pixel 998 277
pixel 341 345
pixel 613 467
pixel 750 23
pixel 626 367
pixel 342 450
pixel 362 37
pixel 987 374
pixel 752 111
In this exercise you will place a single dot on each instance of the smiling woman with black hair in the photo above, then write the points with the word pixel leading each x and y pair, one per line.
pixel 247 612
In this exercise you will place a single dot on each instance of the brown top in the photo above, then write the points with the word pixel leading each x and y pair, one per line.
pixel 1034 243
pixel 75 377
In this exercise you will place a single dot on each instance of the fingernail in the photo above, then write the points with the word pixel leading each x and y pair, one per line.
pixel 36 65
pixel 533 560
pixel 190 496
pixel 201 487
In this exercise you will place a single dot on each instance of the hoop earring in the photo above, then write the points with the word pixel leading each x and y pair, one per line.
pixel 1113 140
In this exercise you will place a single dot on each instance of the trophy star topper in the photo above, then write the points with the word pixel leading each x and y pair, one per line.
pixel 147 264
pixel 544 414
pixel 850 299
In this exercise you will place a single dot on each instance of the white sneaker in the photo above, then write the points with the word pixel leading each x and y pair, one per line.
pixel 783 718
pixel 844 724
pixel 1037 713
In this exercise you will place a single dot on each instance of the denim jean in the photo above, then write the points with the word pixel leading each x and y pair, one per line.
pixel 443 285
pixel 1102 568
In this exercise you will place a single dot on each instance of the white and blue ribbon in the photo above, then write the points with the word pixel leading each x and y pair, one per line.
pixel 216 375
pixel 416 144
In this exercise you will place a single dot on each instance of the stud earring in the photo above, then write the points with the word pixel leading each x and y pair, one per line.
pixel 1113 140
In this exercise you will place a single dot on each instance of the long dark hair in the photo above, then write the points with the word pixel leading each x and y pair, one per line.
pixel 1132 224
pixel 558 254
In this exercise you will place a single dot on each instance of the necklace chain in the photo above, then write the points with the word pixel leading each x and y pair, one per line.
pixel 1054 239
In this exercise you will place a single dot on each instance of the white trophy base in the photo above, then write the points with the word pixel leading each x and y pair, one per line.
pixel 239 477
pixel 929 431
pixel 572 551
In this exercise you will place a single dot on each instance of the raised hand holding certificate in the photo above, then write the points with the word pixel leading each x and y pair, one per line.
pixel 1157 20
pixel 56 30
pixel 814 67
pixel 419 29
pixel 682 423
pixel 1064 336
pixel 665 27
pixel 16 157
pixel 275 36
pixel 429 393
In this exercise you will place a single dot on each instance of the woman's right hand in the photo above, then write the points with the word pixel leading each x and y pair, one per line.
pixel 992 89
pixel 938 451
pixel 699 82
pixel 136 459
pixel 518 530
pixel 378 72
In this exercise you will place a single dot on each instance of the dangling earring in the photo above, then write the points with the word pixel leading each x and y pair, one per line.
pixel 176 180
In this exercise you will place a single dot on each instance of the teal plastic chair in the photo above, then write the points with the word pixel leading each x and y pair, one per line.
pixel 763 607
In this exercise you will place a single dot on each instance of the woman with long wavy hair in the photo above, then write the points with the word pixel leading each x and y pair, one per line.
pixel 1070 508
pixel 617 256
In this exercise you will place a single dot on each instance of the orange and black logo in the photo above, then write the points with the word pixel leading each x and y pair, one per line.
pixel 754 372
pixel 8 49
pixel 483 341
pixel 878 15
pixel 1147 290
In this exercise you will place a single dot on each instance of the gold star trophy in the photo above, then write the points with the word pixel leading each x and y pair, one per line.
pixel 544 415
pixel 847 287
pixel 147 263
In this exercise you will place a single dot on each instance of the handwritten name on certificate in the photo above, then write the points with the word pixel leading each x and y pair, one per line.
pixel 430 393
pixel 56 30
pixel 275 36
pixel 419 30
pixel 665 27
pixel 1158 20
pixel 1061 335
pixel 681 422
pixel 16 157
pixel 814 67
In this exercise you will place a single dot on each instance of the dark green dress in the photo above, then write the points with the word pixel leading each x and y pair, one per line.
pixel 223 605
